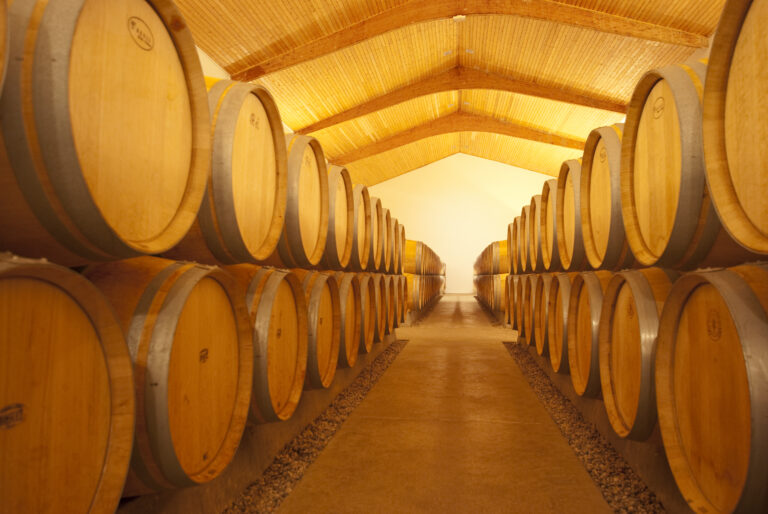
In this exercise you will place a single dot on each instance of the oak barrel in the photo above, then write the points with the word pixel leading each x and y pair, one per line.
pixel 350 310
pixel 711 383
pixel 368 312
pixel 189 334
pixel 380 305
pixel 629 325
pixel 341 221
pixel 523 238
pixel 361 241
pixel 72 172
pixel 535 262
pixel 550 256
pixel 584 308
pixel 602 226
pixel 397 262
pixel 570 242
pixel 278 312
pixel 519 289
pixel 305 232
pixel 243 210
pixel 66 396
pixel 529 300
pixel 391 305
pixel 557 321
pixel 324 327
pixel 668 215
pixel 387 242
pixel 512 246
pixel 541 313
pixel 734 126
pixel 376 255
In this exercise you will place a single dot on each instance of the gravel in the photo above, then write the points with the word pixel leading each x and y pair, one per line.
pixel 622 488
pixel 279 479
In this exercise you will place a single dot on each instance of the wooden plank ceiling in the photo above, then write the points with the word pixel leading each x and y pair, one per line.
pixel 388 86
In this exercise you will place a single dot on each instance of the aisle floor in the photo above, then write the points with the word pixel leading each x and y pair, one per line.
pixel 452 426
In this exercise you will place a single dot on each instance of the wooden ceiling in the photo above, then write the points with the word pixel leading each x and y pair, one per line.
pixel 388 86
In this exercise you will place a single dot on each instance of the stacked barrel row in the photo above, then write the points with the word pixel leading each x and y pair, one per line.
pixel 425 275
pixel 223 267
pixel 668 212
pixel 491 278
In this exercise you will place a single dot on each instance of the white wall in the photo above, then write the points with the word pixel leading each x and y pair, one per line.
pixel 457 206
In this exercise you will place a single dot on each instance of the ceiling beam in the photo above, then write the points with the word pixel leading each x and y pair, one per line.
pixel 456 122
pixel 419 11
pixel 465 78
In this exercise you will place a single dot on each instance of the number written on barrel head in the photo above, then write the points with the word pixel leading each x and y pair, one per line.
pixel 11 415
pixel 658 107
pixel 204 355
pixel 141 33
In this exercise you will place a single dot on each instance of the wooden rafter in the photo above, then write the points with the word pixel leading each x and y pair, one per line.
pixel 419 11
pixel 465 78
pixel 457 122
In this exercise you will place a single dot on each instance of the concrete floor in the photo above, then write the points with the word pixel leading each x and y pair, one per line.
pixel 452 426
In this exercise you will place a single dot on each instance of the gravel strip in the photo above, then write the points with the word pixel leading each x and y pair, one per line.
pixel 622 488
pixel 279 479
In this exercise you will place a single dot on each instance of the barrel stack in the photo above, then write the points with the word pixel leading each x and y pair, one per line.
pixel 223 267
pixel 424 275
pixel 637 271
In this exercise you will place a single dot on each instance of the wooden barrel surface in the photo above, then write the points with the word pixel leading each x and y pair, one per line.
pixel 513 300
pixel 535 261
pixel 413 257
pixel 404 300
pixel 77 361
pixel 324 327
pixel 341 219
pixel 376 252
pixel 710 372
pixel 188 330
pixel 570 242
pixel 512 245
pixel 278 312
pixel 72 172
pixel 557 321
pixel 391 305
pixel 362 233
pixel 397 260
pixel 734 127
pixel 529 300
pixel 541 313
pixel 381 300
pixel 402 249
pixel 550 256
pixel 508 299
pixel 629 325
pixel 519 288
pixel 668 215
pixel 305 232
pixel 243 210
pixel 523 238
pixel 350 311
pixel 584 308
pixel 602 226
pixel 368 311
pixel 387 242
pixel 4 36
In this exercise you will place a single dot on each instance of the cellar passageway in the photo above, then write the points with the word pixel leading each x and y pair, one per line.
pixel 452 426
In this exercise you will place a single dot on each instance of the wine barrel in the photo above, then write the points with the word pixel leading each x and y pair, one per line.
pixel 570 242
pixel 397 294
pixel 512 245
pixel 557 320
pixel 734 129
pixel 529 300
pixel 541 313
pixel 362 233
pixel 508 299
pixel 513 301
pixel 188 330
pixel 402 249
pixel 103 161
pixel 515 248
pixel 584 308
pixel 711 381
pixel 324 327
pixel 500 257
pixel 376 258
pixel 523 238
pixel 668 215
pixel 629 324
pixel 350 313
pixel 602 226
pixel 387 242
pixel 535 260
pixel 341 220
pixel 519 289
pixel 380 295
pixel 242 214
pixel 305 232
pixel 66 396
pixel 4 36
pixel 550 256
pixel 403 298
pixel 391 304
pixel 414 291
pixel 278 312
pixel 397 261
pixel 368 310
pixel 412 258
